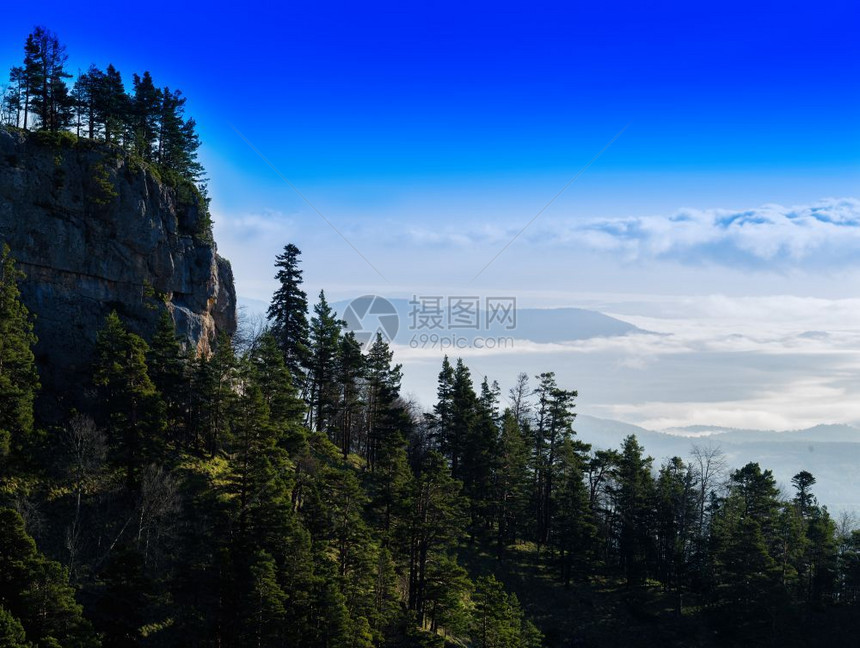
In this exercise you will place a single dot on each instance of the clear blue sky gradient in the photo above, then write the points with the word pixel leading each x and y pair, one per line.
pixel 367 103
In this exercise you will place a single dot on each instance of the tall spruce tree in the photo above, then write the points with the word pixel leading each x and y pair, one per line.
pixel 288 313
pixel 324 337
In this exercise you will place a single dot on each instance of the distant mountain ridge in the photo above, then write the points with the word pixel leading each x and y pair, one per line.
pixel 541 325
pixel 830 452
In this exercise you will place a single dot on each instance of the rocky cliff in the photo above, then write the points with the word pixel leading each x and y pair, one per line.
pixel 96 230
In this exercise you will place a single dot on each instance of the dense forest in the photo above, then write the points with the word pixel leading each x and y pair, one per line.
pixel 282 492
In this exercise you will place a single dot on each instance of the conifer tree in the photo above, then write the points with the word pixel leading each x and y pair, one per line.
pixel 19 379
pixel 634 497
pixel 385 417
pixel 443 412
pixel 213 395
pixel 12 632
pixel 512 483
pixel 144 112
pixel 350 374
pixel 498 619
pixel 286 409
pixel 745 542
pixel 133 410
pixel 86 98
pixel 111 104
pixel 288 313
pixel 325 332
pixel 50 98
pixel 35 592
pixel 167 367
pixel 554 418
pixel 435 522
pixel 177 137
pixel 676 509
pixel 573 529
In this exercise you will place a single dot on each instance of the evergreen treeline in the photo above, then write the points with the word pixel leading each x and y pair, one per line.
pixel 148 122
pixel 282 493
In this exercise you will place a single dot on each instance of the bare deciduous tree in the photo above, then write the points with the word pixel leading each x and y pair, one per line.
pixel 157 505
pixel 519 398
pixel 709 468
pixel 86 445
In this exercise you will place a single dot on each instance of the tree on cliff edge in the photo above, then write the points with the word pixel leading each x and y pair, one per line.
pixel 19 379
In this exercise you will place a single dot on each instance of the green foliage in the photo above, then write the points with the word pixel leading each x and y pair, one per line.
pixel 35 592
pixel 57 140
pixel 168 368
pixel 324 341
pixel 104 189
pixel 132 412
pixel 498 619
pixel 12 633
pixel 19 380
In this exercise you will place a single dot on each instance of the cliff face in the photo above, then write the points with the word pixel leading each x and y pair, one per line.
pixel 95 230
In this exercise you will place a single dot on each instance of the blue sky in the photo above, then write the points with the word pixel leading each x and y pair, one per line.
pixel 744 101
pixel 429 133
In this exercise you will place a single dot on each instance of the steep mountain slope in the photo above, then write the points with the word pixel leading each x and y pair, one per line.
pixel 95 229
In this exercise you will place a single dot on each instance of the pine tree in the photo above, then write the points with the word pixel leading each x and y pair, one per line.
pixel 497 620
pixel 35 592
pixel 747 548
pixel 676 525
pixel 213 395
pixel 512 482
pixel 446 592
pixel 19 380
pixel 177 138
pixel 386 419
pixel 573 530
pixel 144 111
pixel 288 313
pixel 325 332
pixel 443 413
pixel 86 97
pixel 350 374
pixel 15 97
pixel 112 104
pixel 27 80
pixel 286 410
pixel 133 410
pixel 12 633
pixel 435 522
pixel 167 367
pixel 50 97
pixel 553 425
pixel 634 498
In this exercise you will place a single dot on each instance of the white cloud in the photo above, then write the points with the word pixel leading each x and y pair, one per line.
pixel 827 232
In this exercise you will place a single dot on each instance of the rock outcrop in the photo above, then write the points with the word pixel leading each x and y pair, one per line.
pixel 96 230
